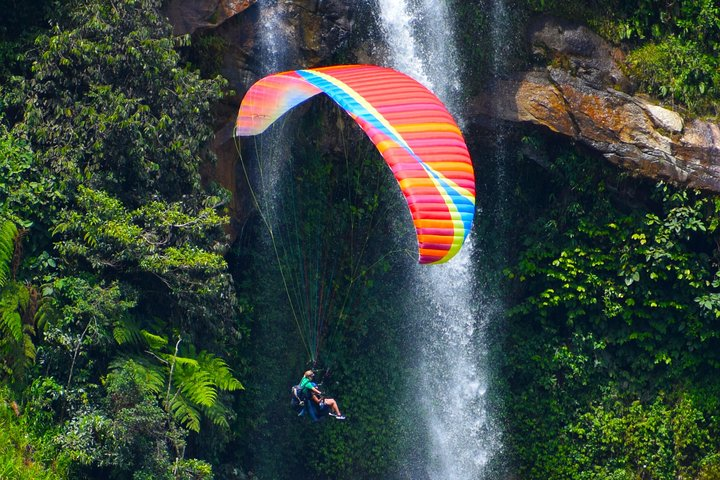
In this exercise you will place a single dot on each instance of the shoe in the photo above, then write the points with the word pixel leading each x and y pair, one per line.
pixel 332 414
pixel 339 417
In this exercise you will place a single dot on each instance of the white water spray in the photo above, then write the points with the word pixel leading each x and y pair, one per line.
pixel 274 43
pixel 452 311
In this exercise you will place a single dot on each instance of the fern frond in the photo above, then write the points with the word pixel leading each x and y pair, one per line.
pixel 219 371
pixel 155 342
pixel 185 413
pixel 218 414
pixel 45 310
pixel 14 300
pixel 8 234
pixel 11 322
pixel 150 376
pixel 29 350
pixel 127 332
pixel 198 388
pixel 182 361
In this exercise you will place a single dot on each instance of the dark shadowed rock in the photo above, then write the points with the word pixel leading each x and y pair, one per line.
pixel 187 16
pixel 579 50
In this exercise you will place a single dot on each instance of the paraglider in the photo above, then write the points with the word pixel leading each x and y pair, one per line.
pixel 307 399
pixel 409 125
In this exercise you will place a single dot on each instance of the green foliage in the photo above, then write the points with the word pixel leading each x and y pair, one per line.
pixel 673 46
pixel 110 106
pixel 101 167
pixel 188 385
pixel 666 439
pixel 18 308
pixel 619 302
pixel 8 237
pixel 18 328
pixel 81 313
pixel 120 128
pixel 694 19
pixel 679 70
pixel 644 283
pixel 19 450
pixel 160 241
pixel 19 25
pixel 130 434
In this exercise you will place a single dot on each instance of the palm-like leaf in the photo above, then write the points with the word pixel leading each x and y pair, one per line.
pixel 219 371
pixel 8 235
pixel 150 375
pixel 17 350
pixel 14 299
pixel 190 382
pixel 185 412
pixel 197 386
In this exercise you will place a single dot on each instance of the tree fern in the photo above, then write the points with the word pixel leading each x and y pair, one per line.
pixel 126 331
pixel 219 414
pixel 197 386
pixel 148 375
pixel 190 382
pixel 220 373
pixel 13 300
pixel 18 308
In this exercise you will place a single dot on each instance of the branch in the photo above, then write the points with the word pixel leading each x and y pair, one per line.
pixel 172 369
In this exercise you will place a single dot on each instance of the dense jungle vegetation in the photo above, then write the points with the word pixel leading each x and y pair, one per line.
pixel 137 342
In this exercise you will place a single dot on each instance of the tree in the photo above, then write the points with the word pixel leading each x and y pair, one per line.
pixel 104 167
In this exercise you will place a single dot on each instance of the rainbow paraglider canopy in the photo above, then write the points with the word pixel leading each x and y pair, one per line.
pixel 408 124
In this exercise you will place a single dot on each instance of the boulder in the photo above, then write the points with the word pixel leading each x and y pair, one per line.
pixel 578 50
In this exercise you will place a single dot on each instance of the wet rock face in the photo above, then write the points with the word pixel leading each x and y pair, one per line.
pixel 579 97
pixel 303 33
pixel 627 130
pixel 280 35
pixel 583 94
pixel 187 16
pixel 579 50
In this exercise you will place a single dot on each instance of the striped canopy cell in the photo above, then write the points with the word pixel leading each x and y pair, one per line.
pixel 408 124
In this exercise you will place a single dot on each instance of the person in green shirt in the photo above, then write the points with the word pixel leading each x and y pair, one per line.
pixel 310 390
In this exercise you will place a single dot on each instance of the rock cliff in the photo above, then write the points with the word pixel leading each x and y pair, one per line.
pixel 187 16
pixel 585 96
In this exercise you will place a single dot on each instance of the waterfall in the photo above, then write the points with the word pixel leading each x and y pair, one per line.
pixel 452 312
pixel 273 156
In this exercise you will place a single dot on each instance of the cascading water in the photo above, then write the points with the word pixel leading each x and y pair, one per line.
pixel 274 47
pixel 500 54
pixel 452 312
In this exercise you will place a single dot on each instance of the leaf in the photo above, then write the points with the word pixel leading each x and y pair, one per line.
pixel 156 342
pixel 185 413
pixel 8 236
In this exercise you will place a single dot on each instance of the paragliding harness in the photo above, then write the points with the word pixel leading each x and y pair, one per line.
pixel 297 398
